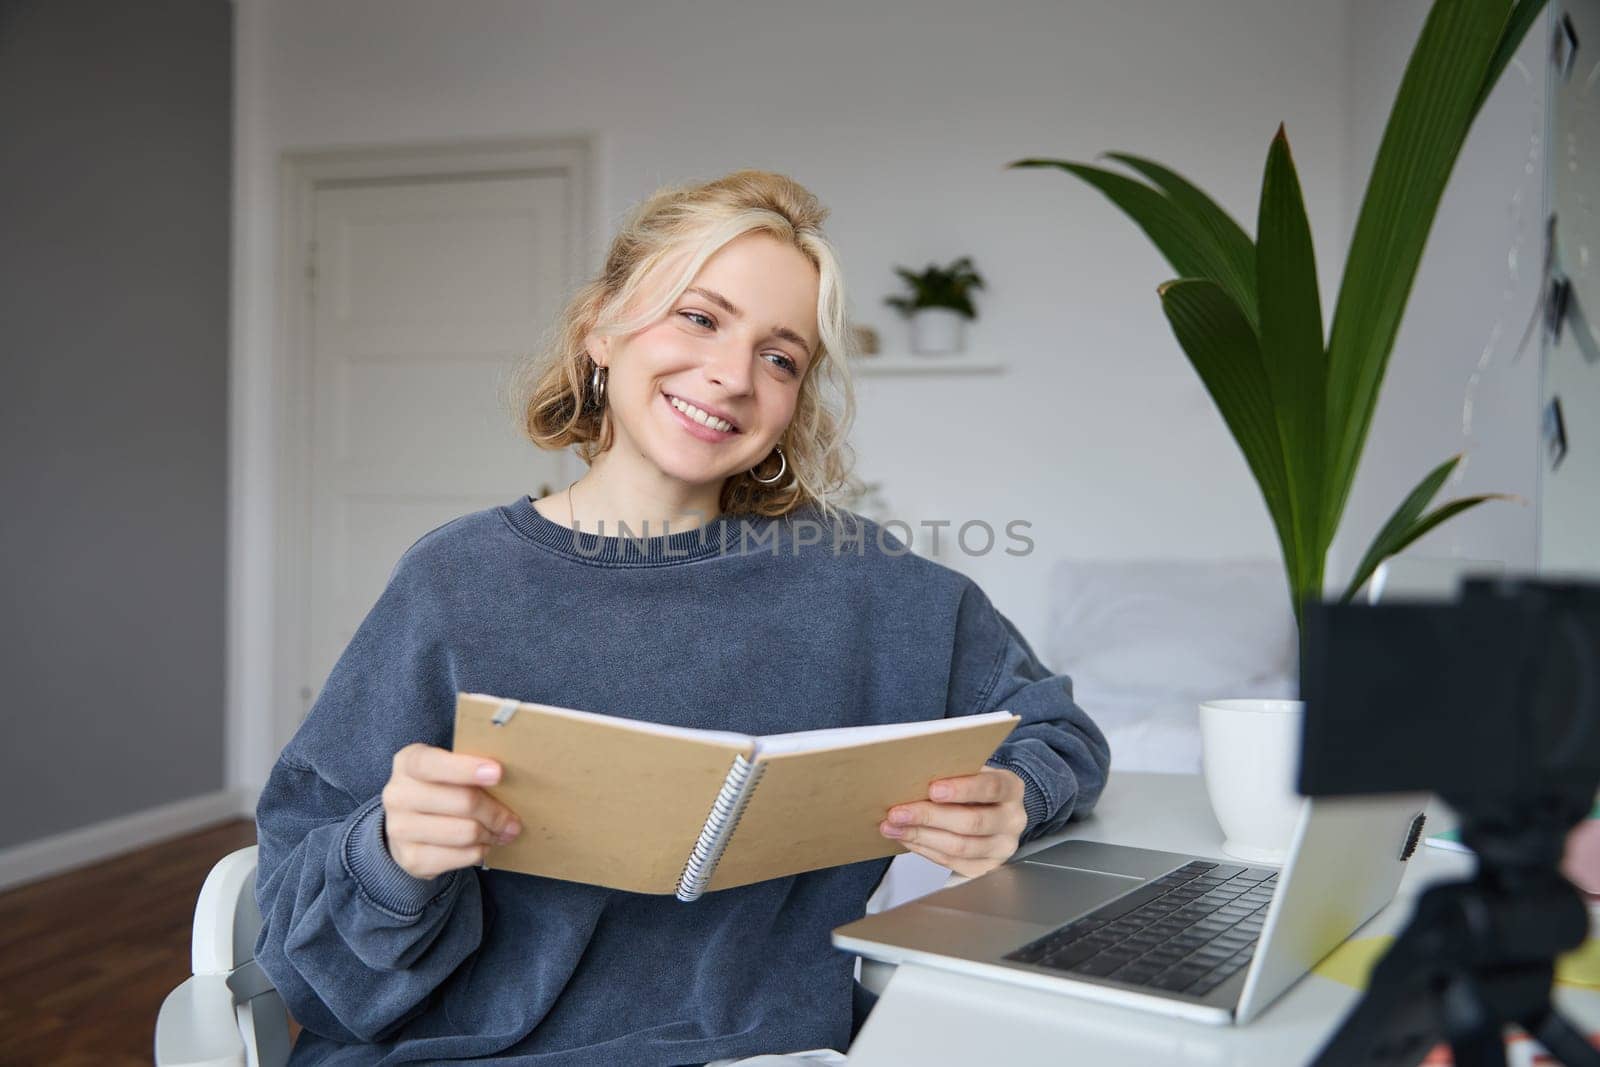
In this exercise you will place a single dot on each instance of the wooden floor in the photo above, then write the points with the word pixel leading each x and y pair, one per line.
pixel 87 957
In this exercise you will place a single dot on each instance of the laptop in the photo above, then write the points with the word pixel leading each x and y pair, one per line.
pixel 1197 937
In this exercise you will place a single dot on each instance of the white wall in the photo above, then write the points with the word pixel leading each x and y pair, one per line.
pixel 900 114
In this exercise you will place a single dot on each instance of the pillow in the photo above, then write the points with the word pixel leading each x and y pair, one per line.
pixel 1160 732
pixel 1163 627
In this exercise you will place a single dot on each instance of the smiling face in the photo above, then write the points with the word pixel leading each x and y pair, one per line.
pixel 706 391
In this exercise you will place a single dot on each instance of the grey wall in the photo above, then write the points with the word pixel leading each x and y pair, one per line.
pixel 114 230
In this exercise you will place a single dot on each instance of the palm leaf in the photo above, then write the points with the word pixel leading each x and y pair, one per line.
pixel 1446 511
pixel 1233 244
pixel 1186 242
pixel 1421 526
pixel 1291 342
pixel 1432 113
pixel 1517 26
pixel 1222 347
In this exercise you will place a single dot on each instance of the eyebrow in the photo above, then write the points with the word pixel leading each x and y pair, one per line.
pixel 727 305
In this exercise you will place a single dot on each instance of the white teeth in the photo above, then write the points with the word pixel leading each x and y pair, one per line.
pixel 701 417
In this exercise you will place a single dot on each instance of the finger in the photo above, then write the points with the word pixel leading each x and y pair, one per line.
pixel 934 855
pixel 971 819
pixel 981 788
pixel 959 845
pixel 459 800
pixel 967 868
pixel 443 830
pixel 431 764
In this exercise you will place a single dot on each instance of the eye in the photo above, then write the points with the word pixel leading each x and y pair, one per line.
pixel 787 364
pixel 705 321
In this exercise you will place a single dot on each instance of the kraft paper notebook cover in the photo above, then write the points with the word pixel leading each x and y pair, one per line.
pixel 650 808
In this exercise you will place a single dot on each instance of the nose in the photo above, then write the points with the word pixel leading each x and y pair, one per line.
pixel 729 366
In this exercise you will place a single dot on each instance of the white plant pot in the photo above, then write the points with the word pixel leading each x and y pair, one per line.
pixel 1250 756
pixel 936 330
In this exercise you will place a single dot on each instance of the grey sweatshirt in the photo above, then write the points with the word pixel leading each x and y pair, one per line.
pixel 751 624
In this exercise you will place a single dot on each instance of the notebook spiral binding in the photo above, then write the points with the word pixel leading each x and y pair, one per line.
pixel 718 830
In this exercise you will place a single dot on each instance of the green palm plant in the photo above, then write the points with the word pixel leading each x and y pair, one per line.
pixel 1248 315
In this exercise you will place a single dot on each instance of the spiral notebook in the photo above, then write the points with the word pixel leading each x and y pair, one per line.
pixel 651 808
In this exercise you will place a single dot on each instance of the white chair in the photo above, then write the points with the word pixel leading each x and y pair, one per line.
pixel 226 1014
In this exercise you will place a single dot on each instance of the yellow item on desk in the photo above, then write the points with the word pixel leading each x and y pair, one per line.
pixel 1352 962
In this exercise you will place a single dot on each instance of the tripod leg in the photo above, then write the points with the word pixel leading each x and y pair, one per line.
pixel 1562 1039
pixel 1479 1050
pixel 1475 1032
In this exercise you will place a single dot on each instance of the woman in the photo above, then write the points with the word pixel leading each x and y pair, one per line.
pixel 693 376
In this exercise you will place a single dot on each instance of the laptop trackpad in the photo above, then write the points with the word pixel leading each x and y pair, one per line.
pixel 1035 893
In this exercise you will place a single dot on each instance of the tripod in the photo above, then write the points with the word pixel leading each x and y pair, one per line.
pixel 1480 954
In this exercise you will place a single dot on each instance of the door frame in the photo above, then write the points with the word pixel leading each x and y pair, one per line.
pixel 301 174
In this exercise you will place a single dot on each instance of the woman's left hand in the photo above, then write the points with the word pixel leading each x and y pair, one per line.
pixel 969 824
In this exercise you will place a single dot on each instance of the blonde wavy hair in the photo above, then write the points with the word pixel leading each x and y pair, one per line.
pixel 680 227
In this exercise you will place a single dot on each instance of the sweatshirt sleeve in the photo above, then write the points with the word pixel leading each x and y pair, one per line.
pixel 1057 750
pixel 353 942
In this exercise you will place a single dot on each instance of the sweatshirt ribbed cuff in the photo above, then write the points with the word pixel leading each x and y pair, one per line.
pixel 385 882
pixel 1034 801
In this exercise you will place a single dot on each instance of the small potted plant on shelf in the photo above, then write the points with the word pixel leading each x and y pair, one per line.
pixel 939 305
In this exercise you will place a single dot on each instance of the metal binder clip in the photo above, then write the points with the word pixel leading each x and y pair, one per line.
pixel 508 708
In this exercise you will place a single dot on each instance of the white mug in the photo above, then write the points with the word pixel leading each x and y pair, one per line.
pixel 1250 755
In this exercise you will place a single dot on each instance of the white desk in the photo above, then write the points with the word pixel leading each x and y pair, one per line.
pixel 929 1017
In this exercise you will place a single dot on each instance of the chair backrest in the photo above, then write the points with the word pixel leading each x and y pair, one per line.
pixel 227 1012
pixel 226 917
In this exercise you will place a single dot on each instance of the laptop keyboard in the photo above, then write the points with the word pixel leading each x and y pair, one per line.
pixel 1185 932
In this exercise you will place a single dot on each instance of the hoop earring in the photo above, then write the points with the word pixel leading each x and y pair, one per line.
pixel 784 465
pixel 597 385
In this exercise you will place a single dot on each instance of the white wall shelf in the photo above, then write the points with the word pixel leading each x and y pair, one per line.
pixel 954 363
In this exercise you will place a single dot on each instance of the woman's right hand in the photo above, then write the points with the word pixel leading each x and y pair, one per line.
pixel 436 815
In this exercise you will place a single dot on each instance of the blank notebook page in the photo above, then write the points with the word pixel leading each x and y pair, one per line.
pixel 844 736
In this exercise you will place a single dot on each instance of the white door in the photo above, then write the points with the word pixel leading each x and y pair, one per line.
pixel 424 294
